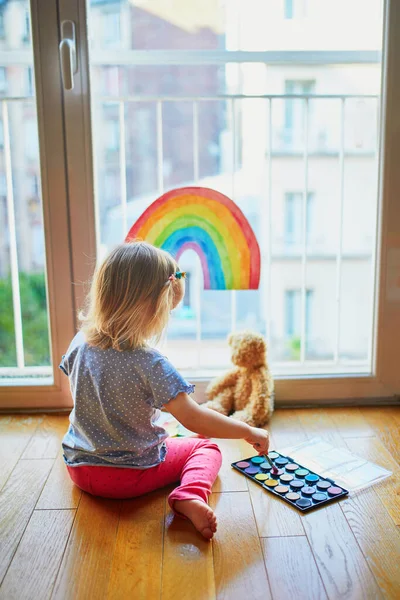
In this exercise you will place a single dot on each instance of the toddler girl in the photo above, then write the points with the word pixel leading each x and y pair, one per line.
pixel 114 447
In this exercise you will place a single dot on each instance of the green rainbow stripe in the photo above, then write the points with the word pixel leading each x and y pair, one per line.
pixel 212 225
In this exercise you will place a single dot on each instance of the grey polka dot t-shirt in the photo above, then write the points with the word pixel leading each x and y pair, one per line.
pixel 117 397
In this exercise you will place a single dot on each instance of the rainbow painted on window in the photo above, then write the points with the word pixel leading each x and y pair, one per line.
pixel 212 225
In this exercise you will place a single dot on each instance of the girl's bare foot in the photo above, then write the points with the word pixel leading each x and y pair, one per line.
pixel 201 515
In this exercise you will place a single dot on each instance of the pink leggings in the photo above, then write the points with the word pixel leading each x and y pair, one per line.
pixel 194 462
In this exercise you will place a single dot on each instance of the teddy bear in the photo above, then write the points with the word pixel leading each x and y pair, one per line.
pixel 247 392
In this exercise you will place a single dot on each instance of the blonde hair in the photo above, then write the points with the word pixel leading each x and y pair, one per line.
pixel 131 297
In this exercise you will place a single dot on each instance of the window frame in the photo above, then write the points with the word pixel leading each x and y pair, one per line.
pixel 77 264
pixel 61 306
pixel 384 383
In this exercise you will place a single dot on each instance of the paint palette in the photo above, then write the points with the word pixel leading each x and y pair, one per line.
pixel 298 486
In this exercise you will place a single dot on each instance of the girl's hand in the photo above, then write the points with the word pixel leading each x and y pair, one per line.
pixel 259 439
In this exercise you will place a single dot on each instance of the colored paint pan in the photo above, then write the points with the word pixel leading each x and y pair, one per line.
pixel 308 491
pixel 292 496
pixel 265 466
pixel 273 455
pixel 311 479
pixel 319 497
pixel 286 478
pixel 292 467
pixel 323 485
pixel 281 462
pixel 334 491
pixel 296 484
pixel 243 464
pixel 301 473
pixel 257 460
pixel 304 502
pixel 271 483
pixel 251 470
pixel 276 472
pixel 261 476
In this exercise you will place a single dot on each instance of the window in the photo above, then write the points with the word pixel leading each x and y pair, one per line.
pixel 111 28
pixel 293 319
pixel 3 185
pixel 288 9
pixel 293 217
pixel 110 81
pixel 2 28
pixel 110 189
pixel 34 186
pixel 27 28
pixel 294 118
pixel 1 135
pixel 186 299
pixel 346 62
pixel 207 123
pixel 295 9
pixel 3 81
pixel 29 81
pixel 31 140
pixel 112 135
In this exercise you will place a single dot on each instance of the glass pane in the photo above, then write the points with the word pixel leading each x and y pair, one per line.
pixel 24 329
pixel 295 145
pixel 234 25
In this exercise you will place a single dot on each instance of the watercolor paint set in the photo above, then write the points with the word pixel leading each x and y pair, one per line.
pixel 311 474
pixel 292 482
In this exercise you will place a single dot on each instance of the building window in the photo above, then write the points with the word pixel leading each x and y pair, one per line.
pixel 31 140
pixel 111 28
pixel 2 28
pixel 1 135
pixel 293 219
pixel 112 135
pixel 34 186
pixel 29 81
pixel 111 81
pixel 27 27
pixel 293 314
pixel 186 298
pixel 111 188
pixel 294 9
pixel 3 185
pixel 3 81
pixel 294 117
pixel 288 9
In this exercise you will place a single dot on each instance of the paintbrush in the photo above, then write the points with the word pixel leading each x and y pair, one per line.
pixel 269 461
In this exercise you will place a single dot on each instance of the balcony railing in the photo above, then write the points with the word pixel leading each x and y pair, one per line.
pixel 266 240
pixel 13 373
pixel 266 224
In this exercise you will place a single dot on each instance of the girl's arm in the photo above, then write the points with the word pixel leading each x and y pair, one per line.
pixel 211 424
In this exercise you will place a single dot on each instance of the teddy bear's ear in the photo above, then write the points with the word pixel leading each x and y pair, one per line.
pixel 230 339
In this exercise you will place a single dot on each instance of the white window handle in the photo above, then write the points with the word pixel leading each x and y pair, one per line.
pixel 68 54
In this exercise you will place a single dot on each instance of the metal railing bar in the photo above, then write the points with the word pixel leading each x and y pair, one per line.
pixel 233 117
pixel 16 296
pixel 196 175
pixel 223 57
pixel 160 156
pixel 303 334
pixel 202 97
pixel 122 168
pixel 339 254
